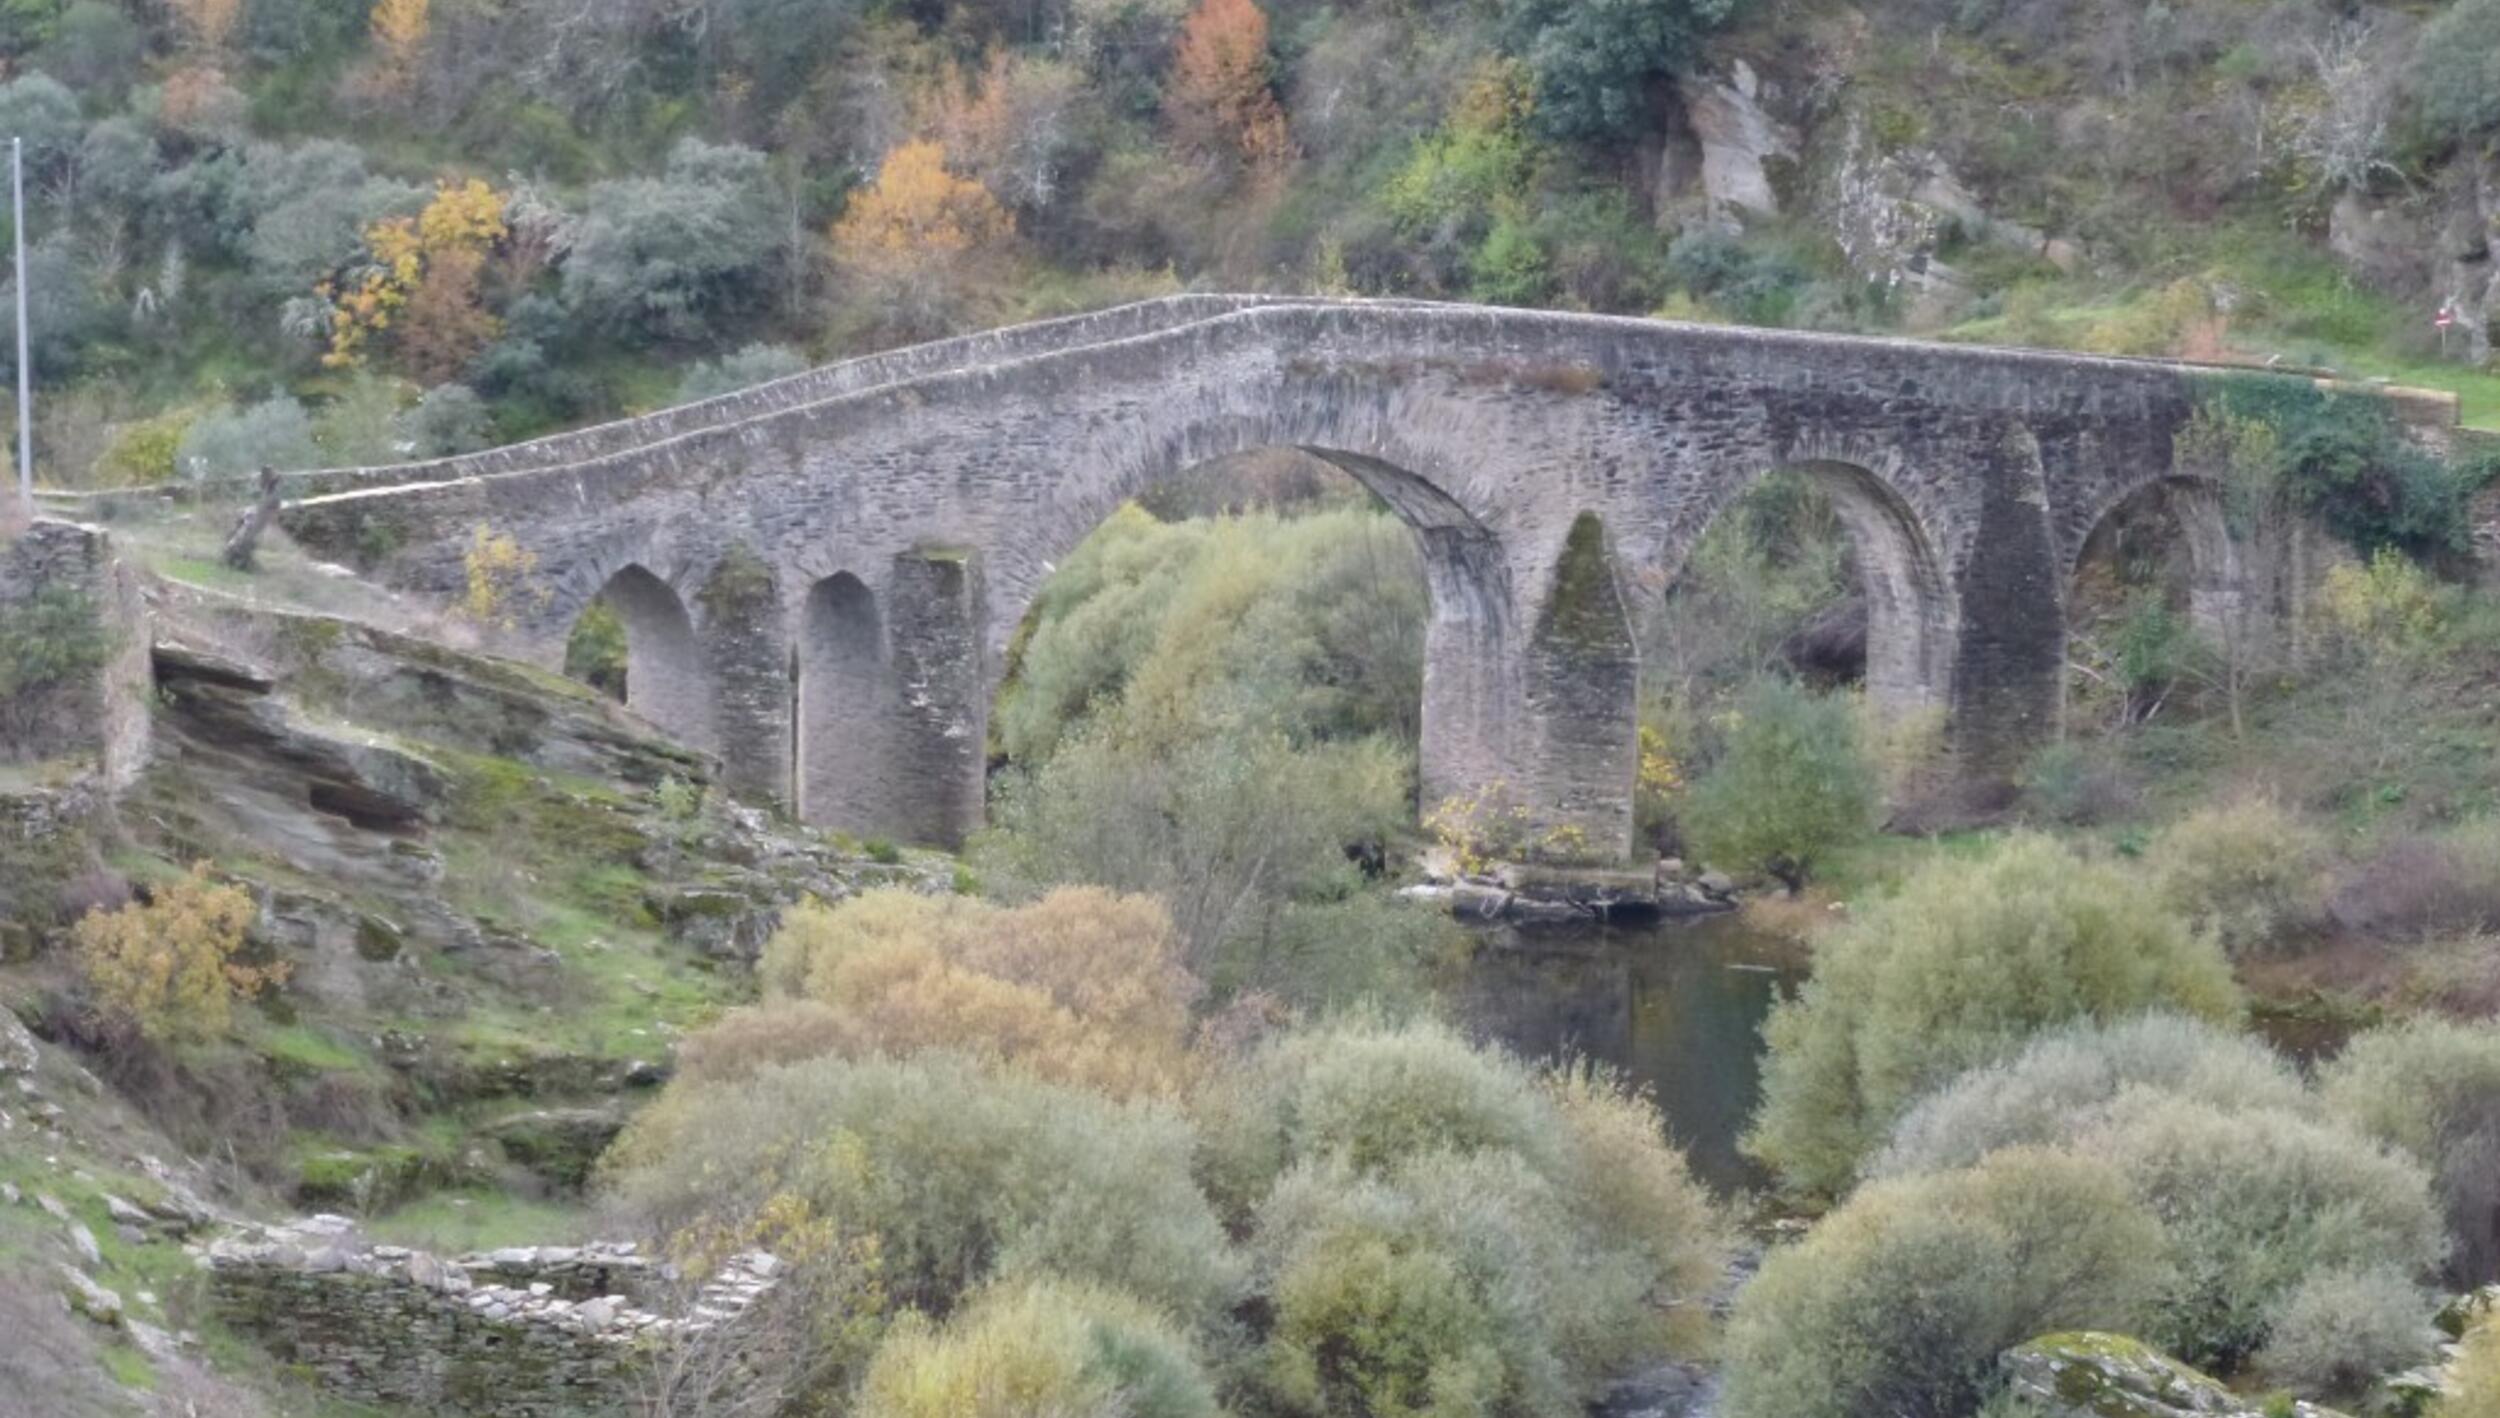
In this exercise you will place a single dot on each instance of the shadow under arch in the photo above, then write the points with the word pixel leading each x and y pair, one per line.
pixel 2217 584
pixel 1911 619
pixel 842 693
pixel 667 680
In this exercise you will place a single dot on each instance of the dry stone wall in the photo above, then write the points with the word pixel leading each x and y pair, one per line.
pixel 528 1332
pixel 88 711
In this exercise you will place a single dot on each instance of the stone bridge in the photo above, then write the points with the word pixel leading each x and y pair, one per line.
pixel 820 576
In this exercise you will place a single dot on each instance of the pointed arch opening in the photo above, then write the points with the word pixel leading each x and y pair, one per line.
pixel 843 701
pixel 636 643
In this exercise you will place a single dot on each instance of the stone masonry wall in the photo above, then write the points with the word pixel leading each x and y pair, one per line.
pixel 529 1332
pixel 96 717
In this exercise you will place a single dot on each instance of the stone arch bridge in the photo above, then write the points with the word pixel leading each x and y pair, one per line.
pixel 820 576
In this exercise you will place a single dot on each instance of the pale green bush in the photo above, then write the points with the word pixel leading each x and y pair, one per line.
pixel 962 1174
pixel 2339 1330
pixel 1039 1347
pixel 1967 961
pixel 2072 1079
pixel 2432 1087
pixel 1449 1283
pixel 2256 1203
pixel 2247 871
pixel 751 365
pixel 1900 1301
pixel 1792 784
pixel 1433 1223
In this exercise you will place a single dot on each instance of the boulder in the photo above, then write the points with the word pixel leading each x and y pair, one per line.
pixel 2088 1375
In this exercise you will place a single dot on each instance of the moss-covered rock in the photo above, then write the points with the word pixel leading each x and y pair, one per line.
pixel 2089 1375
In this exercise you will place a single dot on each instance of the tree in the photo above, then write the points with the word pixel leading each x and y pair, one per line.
pixel 677 256
pixel 2432 1087
pixel 502 580
pixel 399 29
pixel 208 22
pixel 919 233
pixel 1598 63
pixel 168 964
pixel 1792 784
pixel 422 284
pixel 1221 100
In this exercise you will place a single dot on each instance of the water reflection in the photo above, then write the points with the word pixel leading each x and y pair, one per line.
pixel 1678 1007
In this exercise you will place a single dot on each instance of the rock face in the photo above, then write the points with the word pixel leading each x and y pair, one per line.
pixel 2086 1375
pixel 531 1332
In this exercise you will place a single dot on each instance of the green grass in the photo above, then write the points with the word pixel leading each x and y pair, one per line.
pixel 479 1219
pixel 308 1049
pixel 129 1368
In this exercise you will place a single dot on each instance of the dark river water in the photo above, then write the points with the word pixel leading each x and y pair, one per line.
pixel 1677 1006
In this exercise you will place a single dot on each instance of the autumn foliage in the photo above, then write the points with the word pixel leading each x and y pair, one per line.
pixel 918 212
pixel 1083 986
pixel 209 22
pixel 1221 100
pixel 168 965
pixel 423 284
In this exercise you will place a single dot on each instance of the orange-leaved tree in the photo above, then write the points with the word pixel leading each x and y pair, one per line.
pixel 422 283
pixel 919 234
pixel 1221 100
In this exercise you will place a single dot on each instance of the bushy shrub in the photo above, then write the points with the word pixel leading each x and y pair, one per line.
pixel 2246 871
pixel 2339 1330
pixel 1431 1222
pixel 447 419
pixel 963 1174
pixel 2073 1079
pixel 1597 65
pixel 677 255
pixel 1039 1346
pixel 2475 1384
pixel 2254 1204
pixel 1082 986
pixel 275 433
pixel 755 364
pixel 2432 1087
pixel 169 964
pixel 1901 1300
pixel 2455 83
pixel 2419 885
pixel 1792 784
pixel 1962 965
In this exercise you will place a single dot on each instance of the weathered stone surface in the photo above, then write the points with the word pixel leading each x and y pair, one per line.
pixel 96 718
pixel 558 1144
pixel 2086 1375
pixel 530 1332
pixel 1969 478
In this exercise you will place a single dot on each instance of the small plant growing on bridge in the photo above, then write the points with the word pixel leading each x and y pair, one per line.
pixel 1480 829
pixel 502 576
pixel 169 965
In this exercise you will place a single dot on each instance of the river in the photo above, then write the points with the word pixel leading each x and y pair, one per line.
pixel 1677 1006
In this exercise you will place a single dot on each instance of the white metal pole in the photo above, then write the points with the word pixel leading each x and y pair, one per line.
pixel 25 382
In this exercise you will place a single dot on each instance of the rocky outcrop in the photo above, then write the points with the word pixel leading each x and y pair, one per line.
pixel 528 1332
pixel 1727 148
pixel 2085 1375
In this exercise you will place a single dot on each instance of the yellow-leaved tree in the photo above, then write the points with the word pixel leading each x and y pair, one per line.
pixel 422 285
pixel 168 965
pixel 399 29
pixel 918 237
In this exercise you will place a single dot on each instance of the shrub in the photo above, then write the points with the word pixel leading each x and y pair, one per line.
pixel 2255 1203
pixel 1964 963
pixel 1372 1094
pixel 963 1174
pixel 2066 782
pixel 1444 1284
pixel 275 433
pixel 755 364
pixel 2474 1384
pixel 1792 784
pixel 1901 1300
pixel 1039 1346
pixel 169 965
pixel 1597 65
pixel 2246 871
pixel 1081 986
pixel 48 640
pixel 2075 1078
pixel 2416 886
pixel 2455 82
pixel 446 420
pixel 2432 1087
pixel 2339 1330
pixel 678 255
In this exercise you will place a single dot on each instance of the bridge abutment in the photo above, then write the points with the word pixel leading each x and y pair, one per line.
pixel 747 669
pixel 1581 731
pixel 936 748
pixel 2009 661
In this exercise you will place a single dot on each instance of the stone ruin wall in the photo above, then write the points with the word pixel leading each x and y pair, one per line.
pixel 95 719
pixel 526 1332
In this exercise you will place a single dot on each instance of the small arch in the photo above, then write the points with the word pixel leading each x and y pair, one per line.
pixel 666 680
pixel 842 670
pixel 2181 522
